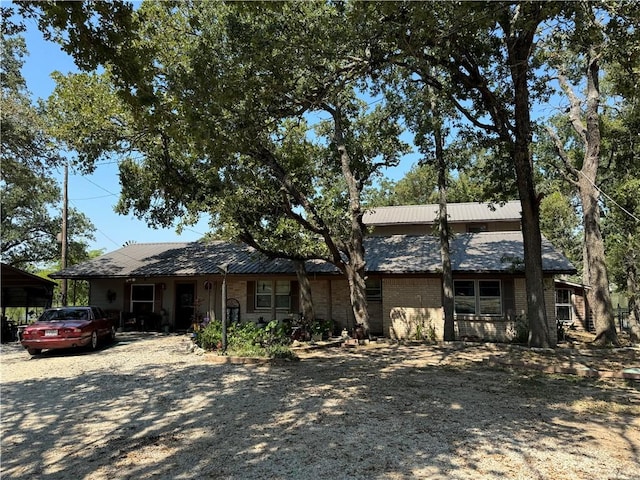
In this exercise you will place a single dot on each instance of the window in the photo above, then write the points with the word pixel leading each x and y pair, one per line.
pixel 476 227
pixel 374 289
pixel 563 304
pixel 142 298
pixel 483 297
pixel 464 292
pixel 489 299
pixel 263 294
pixel 283 294
pixel 276 293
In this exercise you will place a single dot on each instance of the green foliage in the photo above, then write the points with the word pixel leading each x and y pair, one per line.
pixel 210 337
pixel 87 118
pixel 622 230
pixel 28 226
pixel 520 333
pixel 419 186
pixel 560 224
pixel 425 331
pixel 322 327
pixel 247 339
pixel 218 101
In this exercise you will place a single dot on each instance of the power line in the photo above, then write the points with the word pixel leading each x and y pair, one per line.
pixel 99 186
pixel 93 198
pixel 611 199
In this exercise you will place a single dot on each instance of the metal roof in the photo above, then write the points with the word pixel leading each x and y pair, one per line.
pixel 23 289
pixel 487 252
pixel 396 254
pixel 456 212
pixel 177 259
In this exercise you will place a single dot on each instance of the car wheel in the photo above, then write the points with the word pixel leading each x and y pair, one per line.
pixel 94 340
pixel 34 351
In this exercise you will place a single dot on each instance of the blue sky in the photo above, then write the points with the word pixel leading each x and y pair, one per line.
pixel 95 195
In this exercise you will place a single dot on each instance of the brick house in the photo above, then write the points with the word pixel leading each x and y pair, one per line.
pixel 170 284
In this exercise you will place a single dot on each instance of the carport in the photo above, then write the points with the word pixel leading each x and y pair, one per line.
pixel 21 289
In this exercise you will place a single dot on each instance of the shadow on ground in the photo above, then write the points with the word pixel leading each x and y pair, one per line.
pixel 361 414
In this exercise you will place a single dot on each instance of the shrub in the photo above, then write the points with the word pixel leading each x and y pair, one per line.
pixel 247 339
pixel 209 337
pixel 520 332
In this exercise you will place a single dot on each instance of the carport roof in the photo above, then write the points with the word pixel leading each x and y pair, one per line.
pixel 488 252
pixel 23 289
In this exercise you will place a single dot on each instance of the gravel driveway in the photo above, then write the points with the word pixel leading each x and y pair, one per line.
pixel 146 408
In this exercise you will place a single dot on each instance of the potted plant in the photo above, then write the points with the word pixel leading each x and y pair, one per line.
pixel 321 330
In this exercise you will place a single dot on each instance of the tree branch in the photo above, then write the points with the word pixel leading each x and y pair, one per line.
pixel 562 153
pixel 575 110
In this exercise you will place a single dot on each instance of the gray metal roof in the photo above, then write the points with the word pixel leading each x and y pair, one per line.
pixel 457 212
pixel 397 254
pixel 177 259
pixel 487 252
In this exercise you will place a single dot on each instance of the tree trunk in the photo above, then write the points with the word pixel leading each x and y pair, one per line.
pixel 358 296
pixel 519 48
pixel 536 309
pixel 445 251
pixel 634 304
pixel 306 300
pixel 447 274
pixel 595 274
pixel 596 270
pixel 355 267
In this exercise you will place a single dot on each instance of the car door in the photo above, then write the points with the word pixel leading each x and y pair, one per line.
pixel 100 321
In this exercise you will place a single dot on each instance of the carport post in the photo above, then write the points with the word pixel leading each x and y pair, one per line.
pixel 224 269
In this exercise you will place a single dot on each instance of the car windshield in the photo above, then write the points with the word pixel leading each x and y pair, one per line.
pixel 64 314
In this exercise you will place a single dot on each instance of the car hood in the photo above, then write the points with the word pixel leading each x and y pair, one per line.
pixel 58 324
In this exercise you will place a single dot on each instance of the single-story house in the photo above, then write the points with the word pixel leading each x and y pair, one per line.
pixel 169 285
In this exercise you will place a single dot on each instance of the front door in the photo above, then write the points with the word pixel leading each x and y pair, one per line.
pixel 185 301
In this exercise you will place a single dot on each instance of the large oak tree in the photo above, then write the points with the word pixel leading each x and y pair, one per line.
pixel 213 104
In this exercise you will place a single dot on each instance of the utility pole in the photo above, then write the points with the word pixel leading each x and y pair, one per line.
pixel 224 269
pixel 65 204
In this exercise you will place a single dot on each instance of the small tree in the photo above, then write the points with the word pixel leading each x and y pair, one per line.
pixel 28 227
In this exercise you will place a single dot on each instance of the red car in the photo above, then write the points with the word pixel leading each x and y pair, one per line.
pixel 68 327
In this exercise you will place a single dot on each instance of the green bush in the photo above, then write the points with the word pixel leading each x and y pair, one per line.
pixel 209 337
pixel 247 339
pixel 521 330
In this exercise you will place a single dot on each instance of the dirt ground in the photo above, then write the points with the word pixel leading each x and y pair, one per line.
pixel 146 407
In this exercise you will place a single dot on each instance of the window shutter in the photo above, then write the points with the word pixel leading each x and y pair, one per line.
pixel 157 297
pixel 294 293
pixel 251 296
pixel 509 299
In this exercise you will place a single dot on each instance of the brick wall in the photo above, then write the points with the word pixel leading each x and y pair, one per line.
pixel 321 293
pixel 341 309
pixel 411 307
